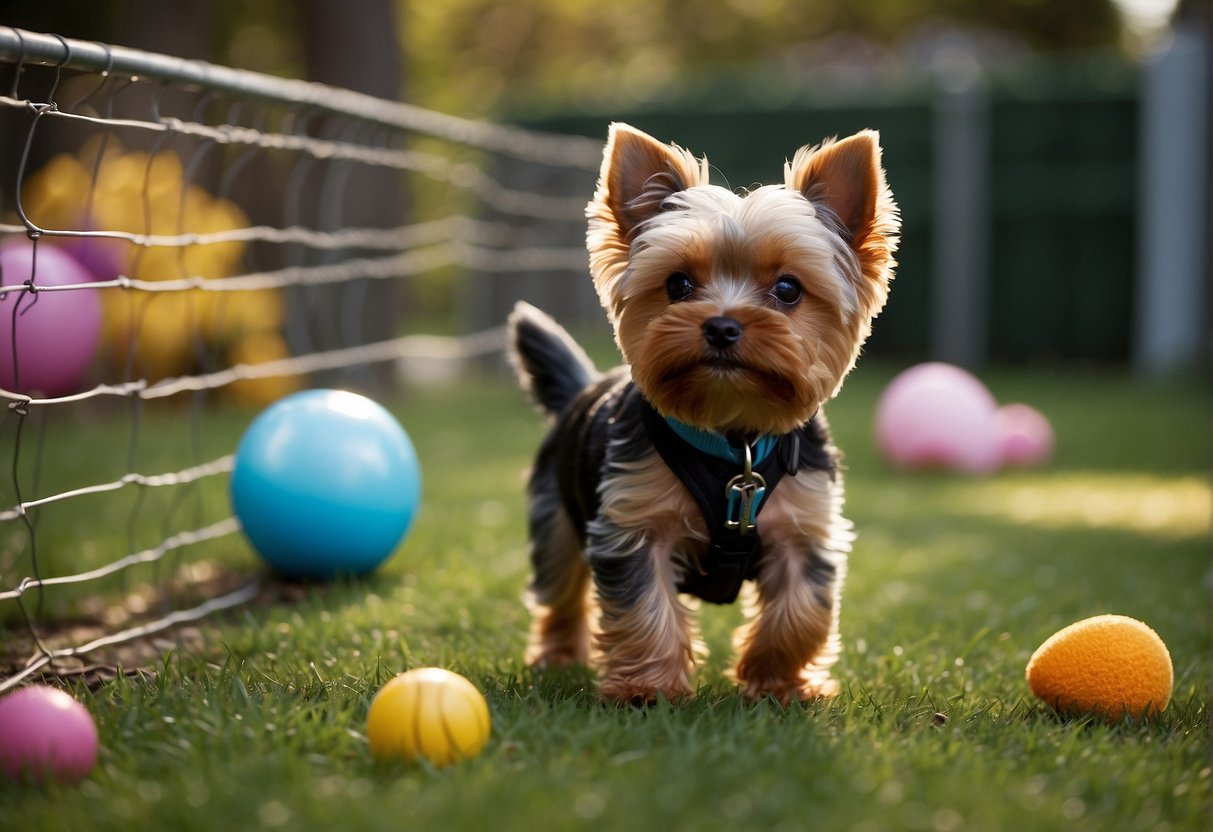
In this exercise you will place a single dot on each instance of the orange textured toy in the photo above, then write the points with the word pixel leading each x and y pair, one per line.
pixel 1109 665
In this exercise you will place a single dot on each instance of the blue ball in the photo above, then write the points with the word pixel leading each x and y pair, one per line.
pixel 325 483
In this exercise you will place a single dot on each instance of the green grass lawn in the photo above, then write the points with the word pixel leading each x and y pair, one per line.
pixel 952 584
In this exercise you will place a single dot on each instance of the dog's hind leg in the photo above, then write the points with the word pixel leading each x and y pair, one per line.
pixel 559 593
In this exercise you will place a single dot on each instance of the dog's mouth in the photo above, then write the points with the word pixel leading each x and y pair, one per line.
pixel 726 392
pixel 728 368
pixel 716 365
pixel 724 362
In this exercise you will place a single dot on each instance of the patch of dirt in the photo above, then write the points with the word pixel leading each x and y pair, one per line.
pixel 103 616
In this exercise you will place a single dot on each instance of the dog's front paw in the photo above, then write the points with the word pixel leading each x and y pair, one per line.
pixel 785 691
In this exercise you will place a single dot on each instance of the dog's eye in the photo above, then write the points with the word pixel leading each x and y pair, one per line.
pixel 678 286
pixel 787 290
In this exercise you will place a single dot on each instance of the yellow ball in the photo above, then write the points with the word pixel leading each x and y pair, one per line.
pixel 1109 665
pixel 428 712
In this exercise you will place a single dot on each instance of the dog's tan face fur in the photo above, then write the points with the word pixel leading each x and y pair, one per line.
pixel 828 230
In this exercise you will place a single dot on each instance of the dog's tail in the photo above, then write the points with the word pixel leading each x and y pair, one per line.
pixel 551 366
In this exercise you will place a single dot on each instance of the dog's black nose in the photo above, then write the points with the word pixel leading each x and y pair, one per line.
pixel 722 332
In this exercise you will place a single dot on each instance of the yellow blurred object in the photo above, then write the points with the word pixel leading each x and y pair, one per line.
pixel 1109 665
pixel 161 328
pixel 231 316
pixel 260 348
pixel 54 197
pixel 106 188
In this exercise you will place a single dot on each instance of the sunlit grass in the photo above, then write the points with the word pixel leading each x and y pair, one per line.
pixel 1168 507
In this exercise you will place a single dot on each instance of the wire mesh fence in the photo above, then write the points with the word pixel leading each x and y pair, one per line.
pixel 180 242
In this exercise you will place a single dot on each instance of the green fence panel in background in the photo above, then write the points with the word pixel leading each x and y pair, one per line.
pixel 1062 179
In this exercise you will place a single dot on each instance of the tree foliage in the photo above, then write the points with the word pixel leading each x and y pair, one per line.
pixel 467 54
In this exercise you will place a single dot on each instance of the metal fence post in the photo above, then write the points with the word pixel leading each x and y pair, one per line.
pixel 1171 312
pixel 961 211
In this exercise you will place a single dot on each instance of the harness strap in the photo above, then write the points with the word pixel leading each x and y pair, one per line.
pixel 735 550
pixel 706 475
pixel 613 408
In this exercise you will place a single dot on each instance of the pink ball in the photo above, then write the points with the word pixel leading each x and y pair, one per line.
pixel 937 415
pixel 1024 435
pixel 57 332
pixel 104 258
pixel 45 734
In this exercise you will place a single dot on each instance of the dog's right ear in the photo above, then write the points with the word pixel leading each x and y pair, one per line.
pixel 639 172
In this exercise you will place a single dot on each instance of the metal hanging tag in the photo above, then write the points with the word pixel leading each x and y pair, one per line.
pixel 743 493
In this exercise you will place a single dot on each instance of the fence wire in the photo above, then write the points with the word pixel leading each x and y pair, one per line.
pixel 227 260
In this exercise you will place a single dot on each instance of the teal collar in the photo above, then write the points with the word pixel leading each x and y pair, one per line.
pixel 718 446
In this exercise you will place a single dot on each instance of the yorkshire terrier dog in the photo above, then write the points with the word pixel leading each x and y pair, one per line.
pixel 705 462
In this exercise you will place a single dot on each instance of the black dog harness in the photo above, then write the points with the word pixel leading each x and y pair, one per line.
pixel 729 482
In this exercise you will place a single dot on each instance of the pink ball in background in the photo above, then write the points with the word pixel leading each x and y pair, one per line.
pixel 937 415
pixel 1024 435
pixel 57 333
pixel 45 735
pixel 104 258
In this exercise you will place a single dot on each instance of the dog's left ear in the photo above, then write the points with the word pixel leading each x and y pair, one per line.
pixel 846 177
